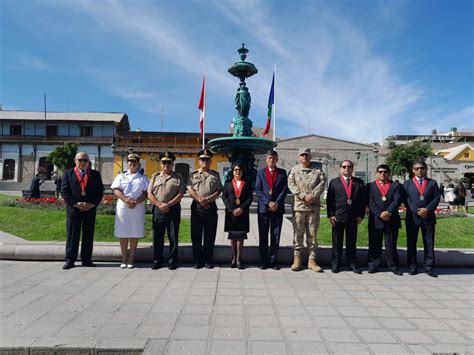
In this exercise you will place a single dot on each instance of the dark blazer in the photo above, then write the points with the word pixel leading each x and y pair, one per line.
pixel 412 202
pixel 241 223
pixel 280 190
pixel 71 189
pixel 377 206
pixel 337 197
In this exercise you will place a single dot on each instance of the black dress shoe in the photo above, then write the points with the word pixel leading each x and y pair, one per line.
pixel 335 270
pixel 209 266
pixel 397 272
pixel 172 266
pixel 156 266
pixel 372 271
pixel 412 272
pixel 263 266
pixel 431 273
pixel 68 265
pixel 355 269
pixel 233 264
pixel 240 266
pixel 198 266
pixel 89 264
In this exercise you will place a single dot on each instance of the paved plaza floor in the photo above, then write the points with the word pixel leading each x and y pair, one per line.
pixel 229 311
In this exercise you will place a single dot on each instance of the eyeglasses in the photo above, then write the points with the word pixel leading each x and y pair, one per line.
pixel 382 172
pixel 347 166
pixel 83 160
pixel 167 162
pixel 419 168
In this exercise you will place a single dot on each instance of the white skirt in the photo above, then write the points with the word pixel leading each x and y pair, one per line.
pixel 129 222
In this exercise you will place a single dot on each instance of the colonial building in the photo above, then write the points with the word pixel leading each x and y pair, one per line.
pixel 329 152
pixel 185 145
pixel 27 138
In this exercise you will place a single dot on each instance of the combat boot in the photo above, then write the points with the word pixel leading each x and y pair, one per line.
pixel 296 263
pixel 313 266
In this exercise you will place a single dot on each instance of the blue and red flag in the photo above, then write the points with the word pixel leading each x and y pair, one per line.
pixel 271 102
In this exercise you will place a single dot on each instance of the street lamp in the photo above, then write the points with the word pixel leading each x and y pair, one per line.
pixel 375 152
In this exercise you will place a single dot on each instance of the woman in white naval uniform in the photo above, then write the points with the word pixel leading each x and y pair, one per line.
pixel 131 189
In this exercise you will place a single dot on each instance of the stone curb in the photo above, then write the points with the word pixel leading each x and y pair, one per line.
pixel 54 251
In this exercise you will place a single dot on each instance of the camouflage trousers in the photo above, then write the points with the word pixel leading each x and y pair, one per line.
pixel 305 222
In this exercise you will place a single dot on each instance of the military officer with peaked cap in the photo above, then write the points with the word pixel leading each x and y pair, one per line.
pixel 204 186
pixel 165 191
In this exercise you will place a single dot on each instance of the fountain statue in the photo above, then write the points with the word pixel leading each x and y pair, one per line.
pixel 243 145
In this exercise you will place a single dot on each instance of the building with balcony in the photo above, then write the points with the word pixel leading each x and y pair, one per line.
pixel 185 145
pixel 27 138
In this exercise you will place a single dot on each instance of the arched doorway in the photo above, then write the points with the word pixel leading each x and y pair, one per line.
pixel 45 168
pixel 8 169
pixel 183 169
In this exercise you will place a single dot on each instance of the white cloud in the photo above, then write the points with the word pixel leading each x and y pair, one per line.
pixel 31 62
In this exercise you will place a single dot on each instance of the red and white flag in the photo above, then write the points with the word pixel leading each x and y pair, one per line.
pixel 202 108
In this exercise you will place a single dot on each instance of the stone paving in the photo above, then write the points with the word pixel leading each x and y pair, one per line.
pixel 227 311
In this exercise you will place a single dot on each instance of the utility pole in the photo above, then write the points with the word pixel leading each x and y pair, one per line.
pixel 162 117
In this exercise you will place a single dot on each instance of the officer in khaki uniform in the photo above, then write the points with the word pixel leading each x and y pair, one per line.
pixel 306 184
pixel 204 186
pixel 165 192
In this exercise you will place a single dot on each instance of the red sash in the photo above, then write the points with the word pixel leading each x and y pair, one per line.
pixel 383 188
pixel 82 182
pixel 347 188
pixel 271 178
pixel 421 188
pixel 238 191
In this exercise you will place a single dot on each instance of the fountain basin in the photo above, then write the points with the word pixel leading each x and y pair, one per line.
pixel 232 144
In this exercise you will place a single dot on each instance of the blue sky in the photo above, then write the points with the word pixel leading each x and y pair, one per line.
pixel 357 70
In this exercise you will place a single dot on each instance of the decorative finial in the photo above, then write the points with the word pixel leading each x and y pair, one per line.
pixel 243 52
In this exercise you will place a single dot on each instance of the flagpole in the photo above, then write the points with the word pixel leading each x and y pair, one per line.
pixel 204 113
pixel 274 106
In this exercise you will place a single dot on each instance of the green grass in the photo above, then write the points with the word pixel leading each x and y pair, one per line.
pixel 35 224
pixel 8 197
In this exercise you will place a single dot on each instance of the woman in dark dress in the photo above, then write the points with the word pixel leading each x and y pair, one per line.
pixel 237 197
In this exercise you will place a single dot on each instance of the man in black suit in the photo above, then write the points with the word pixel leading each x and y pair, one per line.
pixel 345 210
pixel 271 187
pixel 384 196
pixel 421 199
pixel 82 189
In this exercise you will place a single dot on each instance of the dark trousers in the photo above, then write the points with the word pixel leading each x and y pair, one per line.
pixel 203 224
pixel 428 233
pixel 75 222
pixel 350 229
pixel 376 237
pixel 169 223
pixel 269 222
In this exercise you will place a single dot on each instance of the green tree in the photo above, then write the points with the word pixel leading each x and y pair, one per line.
pixel 63 156
pixel 402 157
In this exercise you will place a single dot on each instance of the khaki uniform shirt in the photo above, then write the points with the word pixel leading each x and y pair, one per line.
pixel 166 187
pixel 205 184
pixel 306 181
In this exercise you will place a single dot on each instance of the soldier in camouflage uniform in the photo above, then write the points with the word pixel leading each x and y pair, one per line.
pixel 306 184
pixel 204 187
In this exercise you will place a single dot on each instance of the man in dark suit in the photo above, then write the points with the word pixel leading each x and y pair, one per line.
pixel 384 196
pixel 82 189
pixel 271 187
pixel 345 210
pixel 421 199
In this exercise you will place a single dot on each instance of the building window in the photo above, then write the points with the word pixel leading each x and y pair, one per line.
pixel 466 155
pixel 15 129
pixel 9 169
pixel 137 140
pixel 183 169
pixel 51 130
pixel 86 131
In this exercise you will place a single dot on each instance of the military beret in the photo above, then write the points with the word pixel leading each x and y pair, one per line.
pixel 205 154
pixel 167 156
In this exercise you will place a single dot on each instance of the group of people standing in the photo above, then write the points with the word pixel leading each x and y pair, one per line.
pixel 348 198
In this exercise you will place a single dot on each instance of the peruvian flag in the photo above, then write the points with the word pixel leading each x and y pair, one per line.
pixel 271 101
pixel 202 106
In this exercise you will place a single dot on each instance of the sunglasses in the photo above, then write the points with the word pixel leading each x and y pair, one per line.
pixel 419 168
pixel 206 160
pixel 347 166
pixel 167 162
pixel 382 172
pixel 83 160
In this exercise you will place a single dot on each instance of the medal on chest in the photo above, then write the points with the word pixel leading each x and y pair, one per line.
pixel 348 189
pixel 82 180
pixel 271 179
pixel 237 190
pixel 420 187
pixel 383 188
